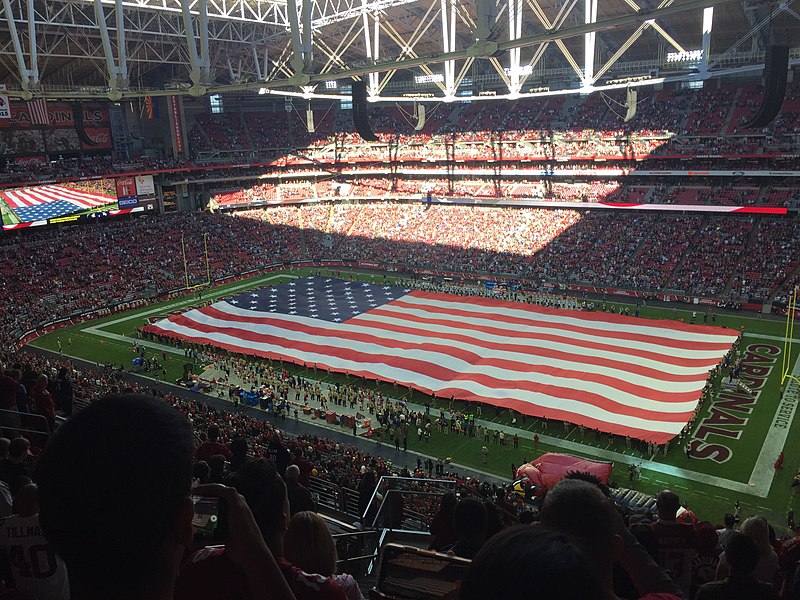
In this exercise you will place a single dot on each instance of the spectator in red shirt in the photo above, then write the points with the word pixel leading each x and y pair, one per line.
pixel 8 399
pixel 8 390
pixel 42 401
pixel 212 447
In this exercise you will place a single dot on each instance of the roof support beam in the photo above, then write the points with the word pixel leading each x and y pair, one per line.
pixel 24 73
pixel 195 73
pixel 32 43
pixel 122 52
pixel 116 79
pixel 205 60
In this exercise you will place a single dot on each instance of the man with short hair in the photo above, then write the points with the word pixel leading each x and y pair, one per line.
pixel 299 497
pixel 114 503
pixel 16 465
pixel 212 446
pixel 579 509
pixel 742 555
pixel 470 522
pixel 676 541
pixel 725 533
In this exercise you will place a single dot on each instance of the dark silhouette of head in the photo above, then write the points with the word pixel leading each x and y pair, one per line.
pixel 742 554
pixel 558 569
pixel 114 485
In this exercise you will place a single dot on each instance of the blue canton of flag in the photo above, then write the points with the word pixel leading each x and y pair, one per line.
pixel 331 300
pixel 40 212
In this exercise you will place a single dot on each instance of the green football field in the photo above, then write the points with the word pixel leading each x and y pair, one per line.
pixel 736 438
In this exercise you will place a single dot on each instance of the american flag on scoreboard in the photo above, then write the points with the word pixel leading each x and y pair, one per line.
pixel 51 201
pixel 38 111
pixel 619 374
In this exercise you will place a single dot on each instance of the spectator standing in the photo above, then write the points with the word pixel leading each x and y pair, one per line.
pixel 727 530
pixel 757 529
pixel 41 401
pixel 562 570
pixel 212 446
pixel 676 541
pixel 15 467
pixel 740 584
pixel 64 392
pixel 304 465
pixel 299 497
pixel 441 527
pixel 211 574
pixel 470 522
pixel 8 398
pixel 582 512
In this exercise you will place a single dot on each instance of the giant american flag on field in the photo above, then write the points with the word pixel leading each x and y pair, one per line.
pixel 622 375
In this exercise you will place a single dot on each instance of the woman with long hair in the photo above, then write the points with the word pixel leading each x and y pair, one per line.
pixel 757 529
pixel 309 545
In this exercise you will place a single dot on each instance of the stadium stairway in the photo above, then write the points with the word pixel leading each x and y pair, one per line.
pixel 686 254
pixel 731 111
pixel 749 244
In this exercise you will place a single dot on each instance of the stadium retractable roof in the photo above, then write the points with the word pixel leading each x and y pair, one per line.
pixel 428 49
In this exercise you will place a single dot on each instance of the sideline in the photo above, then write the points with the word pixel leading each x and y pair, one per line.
pixel 764 469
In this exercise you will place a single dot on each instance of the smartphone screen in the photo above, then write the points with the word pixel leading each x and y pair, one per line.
pixel 408 573
pixel 205 522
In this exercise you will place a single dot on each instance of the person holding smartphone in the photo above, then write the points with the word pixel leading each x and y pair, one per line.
pixel 115 504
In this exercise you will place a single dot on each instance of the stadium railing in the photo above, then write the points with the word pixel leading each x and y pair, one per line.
pixel 31 426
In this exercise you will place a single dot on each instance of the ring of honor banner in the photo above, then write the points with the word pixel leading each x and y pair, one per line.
pixel 176 124
pixel 5 105
pixel 19 136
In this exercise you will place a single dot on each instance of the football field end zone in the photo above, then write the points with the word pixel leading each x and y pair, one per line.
pixel 98 329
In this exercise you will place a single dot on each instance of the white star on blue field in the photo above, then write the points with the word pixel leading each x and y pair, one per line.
pixel 334 300
pixel 51 210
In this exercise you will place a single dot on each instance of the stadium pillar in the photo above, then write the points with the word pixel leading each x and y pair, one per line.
pixel 371 44
pixel 449 42
pixel 514 33
pixel 708 19
pixel 590 16
pixel 32 43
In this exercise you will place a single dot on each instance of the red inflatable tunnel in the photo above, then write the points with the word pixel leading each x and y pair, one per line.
pixel 550 468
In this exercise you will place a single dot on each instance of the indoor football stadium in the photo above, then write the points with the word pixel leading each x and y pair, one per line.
pixel 399 299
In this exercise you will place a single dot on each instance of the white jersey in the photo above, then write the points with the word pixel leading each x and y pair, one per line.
pixel 37 571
